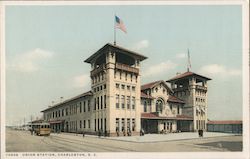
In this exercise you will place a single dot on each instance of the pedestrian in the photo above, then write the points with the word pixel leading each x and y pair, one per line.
pixel 83 134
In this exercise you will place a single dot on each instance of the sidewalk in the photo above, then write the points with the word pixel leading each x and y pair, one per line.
pixel 170 137
pixel 152 137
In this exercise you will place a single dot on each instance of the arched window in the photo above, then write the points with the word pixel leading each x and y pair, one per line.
pixel 159 105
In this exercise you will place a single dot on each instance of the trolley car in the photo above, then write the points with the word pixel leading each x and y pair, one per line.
pixel 41 128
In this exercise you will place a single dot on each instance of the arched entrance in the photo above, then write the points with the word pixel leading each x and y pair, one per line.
pixel 159 105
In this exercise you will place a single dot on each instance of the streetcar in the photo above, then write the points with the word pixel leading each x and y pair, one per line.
pixel 41 129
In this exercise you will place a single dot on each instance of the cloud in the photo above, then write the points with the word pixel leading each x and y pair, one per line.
pixel 81 81
pixel 159 68
pixel 29 61
pixel 141 45
pixel 180 55
pixel 216 69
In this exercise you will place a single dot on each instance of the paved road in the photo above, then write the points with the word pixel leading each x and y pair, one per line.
pixel 22 141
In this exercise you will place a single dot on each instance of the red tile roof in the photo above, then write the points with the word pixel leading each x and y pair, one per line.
pixel 187 74
pixel 175 99
pixel 150 85
pixel 143 95
pixel 155 116
pixel 225 122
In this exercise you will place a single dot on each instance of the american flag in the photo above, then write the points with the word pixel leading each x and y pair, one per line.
pixel 119 24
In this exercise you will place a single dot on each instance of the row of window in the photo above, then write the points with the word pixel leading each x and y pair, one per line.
pixel 99 88
pixel 200 100
pixel 120 101
pixel 200 124
pixel 201 113
pixel 100 102
pixel 120 124
pixel 98 78
pixel 182 93
pixel 100 124
pixel 73 125
pixel 200 93
pixel 72 109
pixel 125 75
pixel 123 87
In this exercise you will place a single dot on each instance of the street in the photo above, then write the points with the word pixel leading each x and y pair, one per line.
pixel 23 141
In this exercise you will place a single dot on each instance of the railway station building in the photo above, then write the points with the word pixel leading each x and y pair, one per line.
pixel 118 105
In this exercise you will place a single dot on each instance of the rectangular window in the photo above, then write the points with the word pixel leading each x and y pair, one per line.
pixel 117 101
pixel 95 104
pixel 98 125
pixel 80 107
pixel 59 113
pixel 80 124
pixel 145 106
pixel 95 124
pixel 128 87
pixel 117 85
pixel 100 87
pixel 105 104
pixel 66 111
pixel 84 124
pixel 123 101
pixel 101 125
pixel 123 124
pixel 105 124
pixel 101 102
pixel 88 105
pixel 104 86
pixel 133 88
pixel 128 102
pixel 133 102
pixel 123 86
pixel 133 124
pixel 84 106
pixel 178 109
pixel 89 123
pixel 117 124
pixel 128 124
pixel 98 103
pixel 171 106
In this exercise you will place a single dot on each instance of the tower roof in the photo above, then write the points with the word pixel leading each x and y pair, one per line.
pixel 114 48
pixel 185 75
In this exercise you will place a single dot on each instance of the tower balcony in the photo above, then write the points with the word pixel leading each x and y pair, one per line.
pixel 180 89
pixel 201 87
pixel 97 70
pixel 127 68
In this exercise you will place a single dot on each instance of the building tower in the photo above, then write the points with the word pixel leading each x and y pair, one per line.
pixel 192 88
pixel 115 83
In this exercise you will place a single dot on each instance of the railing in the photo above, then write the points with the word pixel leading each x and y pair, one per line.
pixel 97 70
pixel 180 89
pixel 126 68
pixel 201 87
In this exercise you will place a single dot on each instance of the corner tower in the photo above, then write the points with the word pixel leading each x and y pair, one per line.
pixel 192 88
pixel 115 83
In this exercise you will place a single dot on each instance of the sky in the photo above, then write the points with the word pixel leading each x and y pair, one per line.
pixel 46 47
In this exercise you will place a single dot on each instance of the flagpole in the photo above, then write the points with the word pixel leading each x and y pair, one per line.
pixel 114 31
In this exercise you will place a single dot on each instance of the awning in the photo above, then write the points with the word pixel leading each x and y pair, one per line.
pixel 56 121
